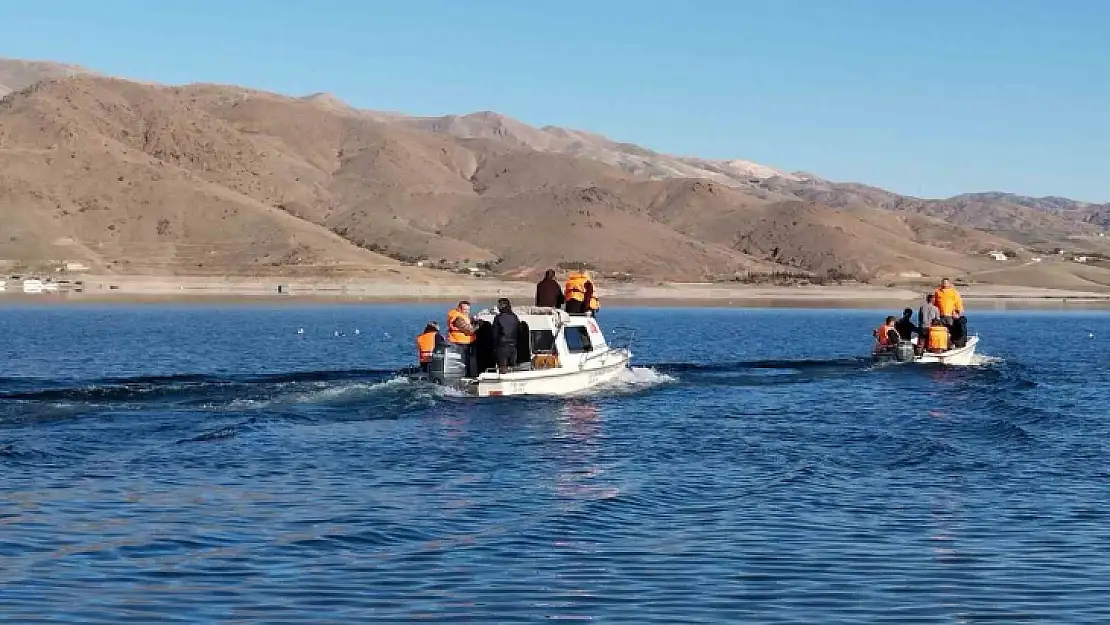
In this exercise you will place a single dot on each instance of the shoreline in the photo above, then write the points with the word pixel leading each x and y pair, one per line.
pixel 231 291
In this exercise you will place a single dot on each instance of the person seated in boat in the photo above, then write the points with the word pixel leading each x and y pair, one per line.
pixel 886 334
pixel 506 326
pixel 460 332
pixel 548 292
pixel 426 343
pixel 579 292
pixel 905 326
pixel 948 302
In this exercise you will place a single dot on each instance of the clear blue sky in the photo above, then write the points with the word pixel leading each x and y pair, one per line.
pixel 926 97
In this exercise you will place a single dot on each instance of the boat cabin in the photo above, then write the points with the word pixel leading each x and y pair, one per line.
pixel 549 338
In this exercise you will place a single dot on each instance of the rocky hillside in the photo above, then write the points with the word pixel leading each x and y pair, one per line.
pixel 15 74
pixel 209 179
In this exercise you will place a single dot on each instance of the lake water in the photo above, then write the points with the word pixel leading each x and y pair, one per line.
pixel 201 464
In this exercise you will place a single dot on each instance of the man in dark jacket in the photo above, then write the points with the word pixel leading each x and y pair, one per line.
pixel 905 326
pixel 506 325
pixel 548 291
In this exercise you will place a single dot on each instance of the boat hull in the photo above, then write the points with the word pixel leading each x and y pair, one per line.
pixel 959 357
pixel 559 381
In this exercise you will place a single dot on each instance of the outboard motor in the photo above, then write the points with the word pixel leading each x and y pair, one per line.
pixel 904 352
pixel 447 365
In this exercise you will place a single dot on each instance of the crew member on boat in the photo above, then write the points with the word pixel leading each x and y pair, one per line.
pixel 460 331
pixel 886 334
pixel 926 315
pixel 905 326
pixel 426 343
pixel 948 301
pixel 579 293
pixel 548 293
pixel 951 307
pixel 506 325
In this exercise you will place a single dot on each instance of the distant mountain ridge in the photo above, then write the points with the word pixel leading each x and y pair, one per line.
pixel 134 177
pixel 16 74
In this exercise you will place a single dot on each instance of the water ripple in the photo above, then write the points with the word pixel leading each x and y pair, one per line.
pixel 267 477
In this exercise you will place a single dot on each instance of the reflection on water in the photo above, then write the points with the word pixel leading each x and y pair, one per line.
pixel 580 474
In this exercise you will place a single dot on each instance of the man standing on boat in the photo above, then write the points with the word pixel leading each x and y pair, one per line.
pixel 926 315
pixel 580 296
pixel 506 326
pixel 460 331
pixel 948 301
pixel 548 292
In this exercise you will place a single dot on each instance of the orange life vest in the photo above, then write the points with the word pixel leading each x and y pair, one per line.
pixel 425 345
pixel 454 334
pixel 594 304
pixel 938 339
pixel 576 286
pixel 884 333
pixel 947 301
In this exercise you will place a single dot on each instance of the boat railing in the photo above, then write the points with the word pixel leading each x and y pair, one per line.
pixel 623 337
pixel 620 337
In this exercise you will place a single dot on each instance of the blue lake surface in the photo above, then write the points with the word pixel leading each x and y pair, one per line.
pixel 204 464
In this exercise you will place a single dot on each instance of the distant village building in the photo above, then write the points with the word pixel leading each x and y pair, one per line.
pixel 76 266
pixel 1081 259
pixel 995 254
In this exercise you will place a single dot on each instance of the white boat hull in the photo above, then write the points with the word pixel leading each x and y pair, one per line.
pixel 603 368
pixel 959 357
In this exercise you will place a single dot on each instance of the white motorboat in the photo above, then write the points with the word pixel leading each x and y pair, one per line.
pixel 558 354
pixel 904 352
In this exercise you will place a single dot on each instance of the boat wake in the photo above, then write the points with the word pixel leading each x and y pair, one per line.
pixel 630 380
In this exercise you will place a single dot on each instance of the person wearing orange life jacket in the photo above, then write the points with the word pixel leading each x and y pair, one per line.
pixel 579 293
pixel 886 334
pixel 948 302
pixel 460 325
pixel 591 297
pixel 426 343
pixel 460 332
pixel 951 308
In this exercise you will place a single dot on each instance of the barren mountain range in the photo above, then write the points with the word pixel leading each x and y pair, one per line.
pixel 136 178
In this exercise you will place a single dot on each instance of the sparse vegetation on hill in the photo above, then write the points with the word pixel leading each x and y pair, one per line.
pixel 208 179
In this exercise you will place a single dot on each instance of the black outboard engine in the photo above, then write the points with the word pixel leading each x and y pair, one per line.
pixel 904 352
pixel 448 365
